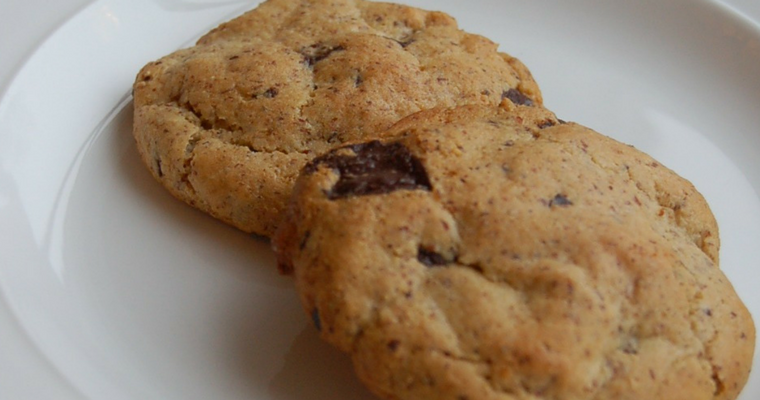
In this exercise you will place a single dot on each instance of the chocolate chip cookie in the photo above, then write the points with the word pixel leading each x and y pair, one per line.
pixel 501 253
pixel 227 124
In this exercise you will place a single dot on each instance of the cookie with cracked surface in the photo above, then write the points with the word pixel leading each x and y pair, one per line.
pixel 484 253
pixel 227 124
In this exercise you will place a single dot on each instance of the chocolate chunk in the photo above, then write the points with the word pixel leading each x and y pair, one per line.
pixel 546 124
pixel 271 93
pixel 318 52
pixel 517 97
pixel 560 200
pixel 430 258
pixel 316 320
pixel 376 168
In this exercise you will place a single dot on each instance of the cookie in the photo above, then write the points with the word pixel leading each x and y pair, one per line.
pixel 227 124
pixel 501 253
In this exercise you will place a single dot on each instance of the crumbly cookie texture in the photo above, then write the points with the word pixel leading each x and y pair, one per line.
pixel 501 253
pixel 227 124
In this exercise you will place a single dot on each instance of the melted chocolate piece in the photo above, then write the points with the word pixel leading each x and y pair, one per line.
pixel 517 97
pixel 546 124
pixel 376 168
pixel 271 93
pixel 430 258
pixel 318 52
pixel 560 200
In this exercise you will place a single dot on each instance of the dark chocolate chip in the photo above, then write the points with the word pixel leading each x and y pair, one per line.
pixel 430 258
pixel 546 124
pixel 316 320
pixel 560 200
pixel 393 345
pixel 318 52
pixel 358 80
pixel 376 168
pixel 517 97
pixel 271 93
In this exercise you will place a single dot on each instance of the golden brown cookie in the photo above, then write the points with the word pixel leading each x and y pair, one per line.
pixel 227 124
pixel 484 253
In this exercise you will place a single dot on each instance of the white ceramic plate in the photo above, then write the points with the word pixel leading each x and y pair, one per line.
pixel 129 294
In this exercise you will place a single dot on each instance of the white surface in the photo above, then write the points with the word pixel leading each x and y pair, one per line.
pixel 110 289
pixel 24 371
